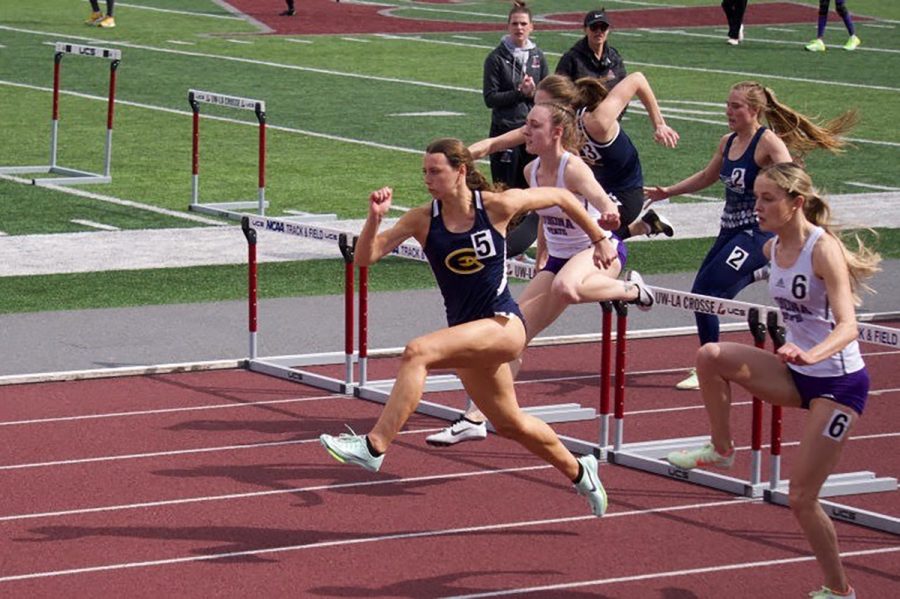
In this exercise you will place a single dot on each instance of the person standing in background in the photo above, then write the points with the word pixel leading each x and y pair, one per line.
pixel 592 56
pixel 511 74
pixel 290 9
pixel 97 19
pixel 734 12
pixel 818 44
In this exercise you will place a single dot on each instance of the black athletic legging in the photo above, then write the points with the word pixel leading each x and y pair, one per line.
pixel 95 6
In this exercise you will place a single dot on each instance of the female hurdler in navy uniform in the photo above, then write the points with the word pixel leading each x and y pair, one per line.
pixel 736 258
pixel 814 281
pixel 462 232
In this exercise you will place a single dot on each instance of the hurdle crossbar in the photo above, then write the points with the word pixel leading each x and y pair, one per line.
pixel 70 176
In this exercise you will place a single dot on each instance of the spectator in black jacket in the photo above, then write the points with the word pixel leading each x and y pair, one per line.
pixel 511 74
pixel 591 56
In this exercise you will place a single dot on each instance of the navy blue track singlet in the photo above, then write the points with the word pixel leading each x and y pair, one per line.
pixel 470 267
pixel 739 176
pixel 616 164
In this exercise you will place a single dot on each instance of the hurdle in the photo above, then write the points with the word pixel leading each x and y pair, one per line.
pixel 230 210
pixel 291 367
pixel 70 176
pixel 650 456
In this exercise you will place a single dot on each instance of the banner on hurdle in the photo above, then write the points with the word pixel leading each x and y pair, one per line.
pixel 70 176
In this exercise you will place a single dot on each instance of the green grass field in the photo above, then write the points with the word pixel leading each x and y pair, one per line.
pixel 334 106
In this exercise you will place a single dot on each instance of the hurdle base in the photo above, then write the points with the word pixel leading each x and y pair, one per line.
pixel 298 376
pixel 729 484
pixel 849 483
pixel 71 176
pixel 229 210
pixel 298 216
pixel 549 414
pixel 844 513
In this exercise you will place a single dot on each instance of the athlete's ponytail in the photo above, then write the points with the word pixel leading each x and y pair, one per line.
pixel 799 132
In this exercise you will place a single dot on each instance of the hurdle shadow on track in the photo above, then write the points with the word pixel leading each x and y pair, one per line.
pixel 444 585
pixel 236 539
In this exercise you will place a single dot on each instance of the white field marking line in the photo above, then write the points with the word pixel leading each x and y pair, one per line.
pixel 457 88
pixel 92 224
pixel 296 41
pixel 466 37
pixel 266 63
pixel 683 33
pixel 670 574
pixel 784 29
pixel 268 492
pixel 872 186
pixel 749 75
pixel 628 34
pixel 111 200
pixel 180 12
pixel 356 40
pixel 180 42
pixel 220 406
pixel 234 41
pixel 377 539
pixel 371 144
pixel 877 26
pixel 4 234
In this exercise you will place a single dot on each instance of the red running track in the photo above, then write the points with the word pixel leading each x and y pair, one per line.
pixel 214 484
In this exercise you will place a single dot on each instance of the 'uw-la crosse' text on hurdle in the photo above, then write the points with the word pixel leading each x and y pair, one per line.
pixel 704 305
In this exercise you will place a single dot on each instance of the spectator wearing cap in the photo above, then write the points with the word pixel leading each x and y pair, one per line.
pixel 592 56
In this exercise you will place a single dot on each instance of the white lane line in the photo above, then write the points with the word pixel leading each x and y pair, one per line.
pixel 877 25
pixel 672 574
pixel 466 37
pixel 180 42
pixel 373 539
pixel 156 454
pixel 93 225
pixel 252 494
pixel 296 41
pixel 223 406
pixel 783 29
pixel 356 39
pixel 234 41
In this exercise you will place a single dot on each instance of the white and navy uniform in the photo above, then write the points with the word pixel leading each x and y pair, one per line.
pixel 738 250
pixel 803 300
pixel 470 267
pixel 563 237
pixel 617 167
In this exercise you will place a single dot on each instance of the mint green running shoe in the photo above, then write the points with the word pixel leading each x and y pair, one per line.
pixel 590 485
pixel 351 448
pixel 688 459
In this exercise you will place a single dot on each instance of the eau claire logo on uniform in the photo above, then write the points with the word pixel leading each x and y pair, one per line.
pixel 466 261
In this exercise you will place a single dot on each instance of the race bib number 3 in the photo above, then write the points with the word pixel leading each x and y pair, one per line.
pixel 483 243
pixel 837 425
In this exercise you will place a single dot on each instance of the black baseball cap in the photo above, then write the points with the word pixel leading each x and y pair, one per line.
pixel 596 16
